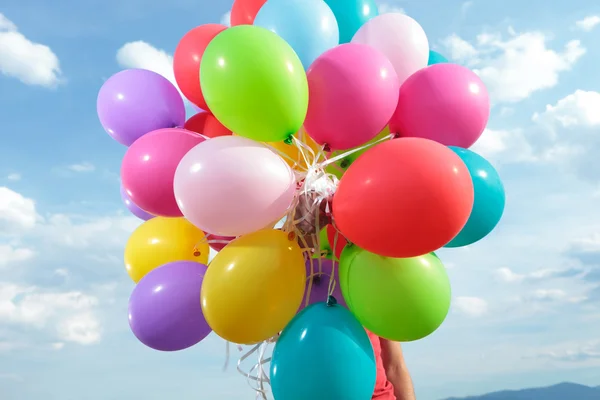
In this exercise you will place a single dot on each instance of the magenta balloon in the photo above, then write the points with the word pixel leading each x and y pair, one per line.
pixel 231 186
pixel 134 102
pixel 353 92
pixel 321 275
pixel 164 308
pixel 149 166
pixel 447 103
pixel 131 206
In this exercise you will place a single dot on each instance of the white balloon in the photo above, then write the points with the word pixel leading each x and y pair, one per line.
pixel 400 38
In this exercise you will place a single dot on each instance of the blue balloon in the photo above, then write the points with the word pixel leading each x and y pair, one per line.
pixel 351 15
pixel 436 58
pixel 490 199
pixel 323 354
pixel 308 26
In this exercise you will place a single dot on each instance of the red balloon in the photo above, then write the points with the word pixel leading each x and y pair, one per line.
pixel 218 246
pixel 206 124
pixel 186 61
pixel 339 243
pixel 404 198
pixel 243 12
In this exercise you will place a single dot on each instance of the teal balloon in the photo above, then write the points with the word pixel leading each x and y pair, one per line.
pixel 436 58
pixel 351 15
pixel 308 26
pixel 489 202
pixel 323 354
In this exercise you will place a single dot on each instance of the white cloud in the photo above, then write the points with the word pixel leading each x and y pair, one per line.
pixel 386 7
pixel 30 62
pixel 470 306
pixel 140 54
pixel 509 276
pixel 81 328
pixel 14 177
pixel 82 167
pixel 516 67
pixel 16 211
pixel 226 19
pixel 588 23
pixel 504 145
pixel 570 352
pixel 579 109
pixel 10 254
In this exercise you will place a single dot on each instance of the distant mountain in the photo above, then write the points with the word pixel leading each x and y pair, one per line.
pixel 562 391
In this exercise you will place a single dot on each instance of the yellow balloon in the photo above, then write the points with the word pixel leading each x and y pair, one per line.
pixel 161 240
pixel 294 158
pixel 254 286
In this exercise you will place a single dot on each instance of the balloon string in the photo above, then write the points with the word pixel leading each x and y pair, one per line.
pixel 347 153
pixel 286 156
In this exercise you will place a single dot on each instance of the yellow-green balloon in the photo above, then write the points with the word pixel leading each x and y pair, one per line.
pixel 254 83
pixel 400 299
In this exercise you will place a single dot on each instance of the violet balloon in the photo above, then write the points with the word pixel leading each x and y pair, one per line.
pixel 134 208
pixel 164 308
pixel 321 275
pixel 447 103
pixel 134 102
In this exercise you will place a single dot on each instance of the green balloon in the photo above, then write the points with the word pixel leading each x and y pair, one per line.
pixel 400 299
pixel 325 251
pixel 254 83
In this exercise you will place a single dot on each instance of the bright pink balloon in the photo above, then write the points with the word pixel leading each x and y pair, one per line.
pixel 447 103
pixel 149 166
pixel 218 242
pixel 353 91
pixel 231 186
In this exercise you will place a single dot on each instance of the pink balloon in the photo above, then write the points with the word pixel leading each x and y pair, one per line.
pixel 353 91
pixel 218 242
pixel 149 166
pixel 400 38
pixel 447 103
pixel 231 186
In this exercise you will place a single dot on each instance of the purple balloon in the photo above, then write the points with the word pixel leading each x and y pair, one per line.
pixel 320 283
pixel 134 102
pixel 164 308
pixel 135 210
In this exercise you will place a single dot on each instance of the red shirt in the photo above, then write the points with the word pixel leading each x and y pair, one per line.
pixel 383 388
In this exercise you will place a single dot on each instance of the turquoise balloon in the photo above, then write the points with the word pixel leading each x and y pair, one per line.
pixel 308 26
pixel 436 58
pixel 489 201
pixel 351 15
pixel 323 354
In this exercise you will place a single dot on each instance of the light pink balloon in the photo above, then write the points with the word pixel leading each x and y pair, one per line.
pixel 353 91
pixel 231 186
pixel 149 166
pixel 447 103
pixel 400 38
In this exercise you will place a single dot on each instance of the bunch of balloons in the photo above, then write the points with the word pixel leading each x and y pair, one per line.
pixel 336 119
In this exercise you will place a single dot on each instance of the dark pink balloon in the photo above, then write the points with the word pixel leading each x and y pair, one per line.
pixel 217 242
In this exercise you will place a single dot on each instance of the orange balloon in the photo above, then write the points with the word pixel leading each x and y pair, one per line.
pixel 293 155
pixel 243 12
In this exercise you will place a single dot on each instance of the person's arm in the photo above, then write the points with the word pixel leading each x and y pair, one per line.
pixel 396 370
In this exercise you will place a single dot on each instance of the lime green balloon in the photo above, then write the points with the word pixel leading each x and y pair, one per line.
pixel 254 83
pixel 325 249
pixel 400 299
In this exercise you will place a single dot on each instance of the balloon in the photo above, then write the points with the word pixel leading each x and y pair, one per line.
pixel 447 103
pixel 163 240
pixel 399 299
pixel 134 102
pixel 264 100
pixel 164 308
pixel 436 58
pixel 187 58
pixel 135 210
pixel 254 286
pixel 324 353
pixel 319 273
pixel 295 156
pixel 206 124
pixel 353 94
pixel 400 38
pixel 309 26
pixel 340 166
pixel 231 186
pixel 243 12
pixel 404 198
pixel 219 241
pixel 351 15
pixel 335 240
pixel 149 166
pixel 488 205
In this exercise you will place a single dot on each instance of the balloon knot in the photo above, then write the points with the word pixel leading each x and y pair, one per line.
pixel 397 135
pixel 197 252
pixel 345 164
pixel 291 236
pixel 331 301
pixel 326 148
pixel 289 139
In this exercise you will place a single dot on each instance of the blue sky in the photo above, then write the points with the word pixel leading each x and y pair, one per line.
pixel 526 308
